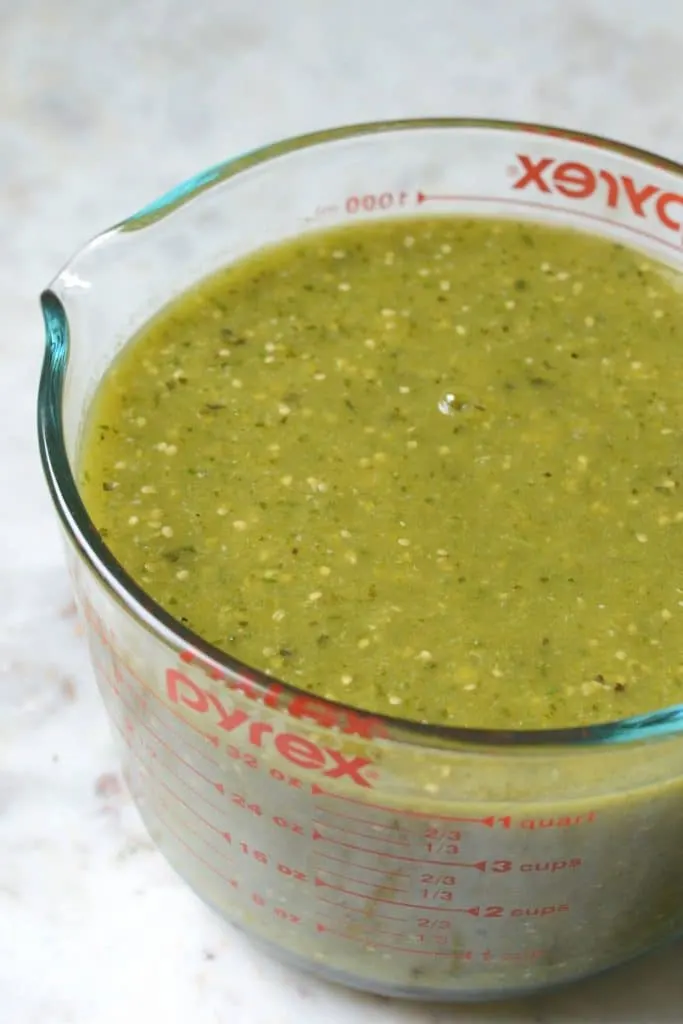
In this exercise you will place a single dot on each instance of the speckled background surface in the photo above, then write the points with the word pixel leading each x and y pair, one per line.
pixel 101 108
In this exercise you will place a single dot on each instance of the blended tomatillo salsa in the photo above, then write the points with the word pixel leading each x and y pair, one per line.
pixel 429 467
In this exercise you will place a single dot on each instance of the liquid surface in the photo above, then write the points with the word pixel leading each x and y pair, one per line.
pixel 428 467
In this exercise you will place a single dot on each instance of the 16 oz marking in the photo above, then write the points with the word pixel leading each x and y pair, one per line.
pixel 263 858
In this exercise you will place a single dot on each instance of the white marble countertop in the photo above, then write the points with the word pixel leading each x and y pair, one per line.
pixel 102 107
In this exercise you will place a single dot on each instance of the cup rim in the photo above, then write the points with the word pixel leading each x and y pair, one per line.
pixel 84 536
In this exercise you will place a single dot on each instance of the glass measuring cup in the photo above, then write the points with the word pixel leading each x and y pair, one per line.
pixel 407 860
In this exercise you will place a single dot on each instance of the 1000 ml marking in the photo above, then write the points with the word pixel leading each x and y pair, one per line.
pixel 372 201
pixel 364 202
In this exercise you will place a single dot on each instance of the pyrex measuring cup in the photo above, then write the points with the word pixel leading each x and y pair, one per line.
pixel 394 857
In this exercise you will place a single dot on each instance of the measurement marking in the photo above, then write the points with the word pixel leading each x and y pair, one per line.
pixel 375 929
pixel 489 822
pixel 422 198
pixel 198 856
pixel 361 835
pixel 360 881
pixel 192 789
pixel 362 821
pixel 357 910
pixel 510 201
pixel 473 911
pixel 209 846
pixel 124 667
pixel 156 777
pixel 129 744
pixel 176 736
pixel 176 715
pixel 214 828
pixel 116 689
pixel 480 865
pixel 400 949
pixel 365 867
pixel 215 785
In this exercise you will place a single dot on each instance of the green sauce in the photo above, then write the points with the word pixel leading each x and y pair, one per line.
pixel 429 467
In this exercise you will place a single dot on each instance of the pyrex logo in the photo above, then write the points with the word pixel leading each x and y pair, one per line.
pixel 579 181
pixel 297 750
pixel 275 695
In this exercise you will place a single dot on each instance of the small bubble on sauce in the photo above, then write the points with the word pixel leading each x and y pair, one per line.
pixel 449 404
